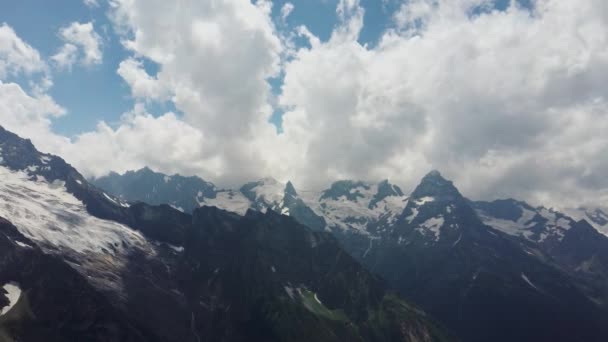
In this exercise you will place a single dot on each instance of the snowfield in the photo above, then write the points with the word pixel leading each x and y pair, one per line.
pixel 555 224
pixel 49 215
pixel 59 224
pixel 13 292
pixel 340 213
pixel 229 200
pixel 432 225
pixel 345 214
pixel 270 192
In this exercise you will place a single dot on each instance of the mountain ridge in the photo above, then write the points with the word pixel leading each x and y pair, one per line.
pixel 433 247
pixel 128 260
pixel 443 238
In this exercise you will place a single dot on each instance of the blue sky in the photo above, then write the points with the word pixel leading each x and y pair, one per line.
pixel 88 93
pixel 97 92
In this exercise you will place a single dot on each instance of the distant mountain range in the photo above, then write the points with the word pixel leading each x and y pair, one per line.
pixel 79 264
pixel 366 203
pixel 150 257
pixel 468 263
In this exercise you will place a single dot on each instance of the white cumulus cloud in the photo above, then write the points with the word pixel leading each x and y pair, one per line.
pixel 498 100
pixel 91 3
pixel 16 56
pixel 163 143
pixel 28 115
pixel 142 85
pixel 215 73
pixel 81 44
pixel 286 10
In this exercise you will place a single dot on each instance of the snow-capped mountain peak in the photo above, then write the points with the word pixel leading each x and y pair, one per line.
pixel 265 193
pixel 518 218
pixel 385 190
pixel 435 186
pixel 290 190
pixel 596 217
pixel 435 209
pixel 357 206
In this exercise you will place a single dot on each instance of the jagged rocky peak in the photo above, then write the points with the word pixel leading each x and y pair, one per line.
pixel 264 192
pixel 181 192
pixel 385 189
pixel 435 186
pixel 351 190
pixel 598 216
pixel 10 142
pixel 359 191
pixel 294 206
pixel 290 190
pixel 17 153
pixel 144 170
pixel 177 179
pixel 436 211
pixel 143 174
pixel 437 193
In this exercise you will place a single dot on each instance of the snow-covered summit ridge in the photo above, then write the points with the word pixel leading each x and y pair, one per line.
pixel 434 207
pixel 596 217
pixel 51 216
pixel 517 218
pixel 265 193
pixel 357 205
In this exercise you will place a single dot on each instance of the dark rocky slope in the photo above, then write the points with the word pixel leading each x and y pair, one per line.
pixel 480 282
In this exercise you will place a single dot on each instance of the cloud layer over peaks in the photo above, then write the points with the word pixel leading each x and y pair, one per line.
pixel 506 102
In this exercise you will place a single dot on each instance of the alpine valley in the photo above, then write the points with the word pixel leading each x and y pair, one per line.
pixel 145 256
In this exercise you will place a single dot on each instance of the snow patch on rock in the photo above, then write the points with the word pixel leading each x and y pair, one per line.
pixel 269 191
pixel 229 200
pixel 527 280
pixel 13 292
pixel 424 200
pixel 432 225
pixel 555 224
